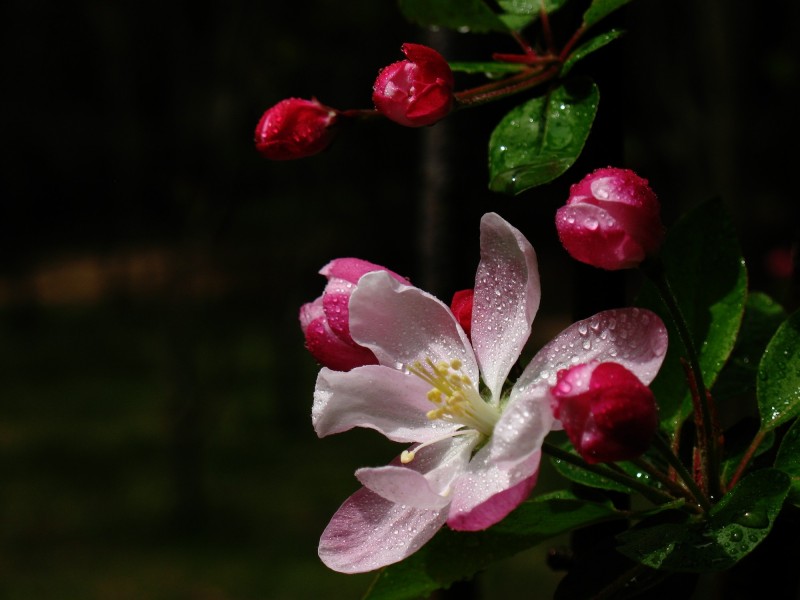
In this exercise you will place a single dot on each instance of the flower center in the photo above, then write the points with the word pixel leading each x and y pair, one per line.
pixel 455 396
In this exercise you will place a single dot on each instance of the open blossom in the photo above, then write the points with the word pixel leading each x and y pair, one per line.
pixel 611 220
pixel 608 414
pixel 417 91
pixel 473 451
pixel 325 321
pixel 295 128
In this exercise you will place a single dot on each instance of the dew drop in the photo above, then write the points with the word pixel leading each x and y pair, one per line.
pixel 754 519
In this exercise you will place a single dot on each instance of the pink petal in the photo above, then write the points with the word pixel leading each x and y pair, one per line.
pixel 594 236
pixel 402 324
pixel 352 269
pixel 389 401
pixel 426 481
pixel 495 509
pixel 489 490
pixel 336 312
pixel 329 349
pixel 403 486
pixel 633 337
pixel 369 532
pixel 507 294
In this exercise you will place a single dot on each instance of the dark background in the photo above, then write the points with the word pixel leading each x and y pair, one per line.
pixel 155 439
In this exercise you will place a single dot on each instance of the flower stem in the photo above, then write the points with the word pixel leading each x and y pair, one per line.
pixel 547 32
pixel 510 85
pixel 748 456
pixel 664 449
pixel 704 418
pixel 652 494
pixel 571 43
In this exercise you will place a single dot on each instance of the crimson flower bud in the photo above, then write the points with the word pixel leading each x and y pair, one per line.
pixel 326 321
pixel 295 128
pixel 611 220
pixel 417 91
pixel 608 414
pixel 461 306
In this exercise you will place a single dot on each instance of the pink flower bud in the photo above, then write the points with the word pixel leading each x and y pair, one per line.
pixel 461 306
pixel 326 321
pixel 417 91
pixel 611 220
pixel 295 128
pixel 608 414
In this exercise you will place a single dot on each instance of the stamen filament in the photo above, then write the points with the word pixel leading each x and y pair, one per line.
pixel 455 396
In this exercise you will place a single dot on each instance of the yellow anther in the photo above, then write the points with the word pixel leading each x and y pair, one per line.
pixel 407 456
pixel 435 413
pixel 456 397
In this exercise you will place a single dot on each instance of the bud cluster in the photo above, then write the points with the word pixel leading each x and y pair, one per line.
pixel 413 92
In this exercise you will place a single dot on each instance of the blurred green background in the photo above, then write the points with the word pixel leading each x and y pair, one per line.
pixel 155 439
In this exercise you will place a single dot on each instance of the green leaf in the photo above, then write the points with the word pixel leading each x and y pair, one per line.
pixel 515 22
pixel 451 555
pixel 741 521
pixel 530 7
pixel 762 317
pixel 489 68
pixel 600 9
pixel 706 271
pixel 788 460
pixel 778 387
pixel 586 49
pixel 539 140
pixel 595 480
pixel 462 15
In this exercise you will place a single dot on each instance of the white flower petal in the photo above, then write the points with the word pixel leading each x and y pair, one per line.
pixel 426 481
pixel 389 401
pixel 507 294
pixel 402 324
pixel 488 490
pixel 369 532
pixel 633 337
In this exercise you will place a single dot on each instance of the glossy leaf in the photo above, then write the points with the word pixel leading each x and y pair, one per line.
pixel 489 68
pixel 515 22
pixel 530 7
pixel 762 317
pixel 452 556
pixel 600 9
pixel 706 271
pixel 461 15
pixel 539 140
pixel 586 49
pixel 595 480
pixel 788 460
pixel 778 387
pixel 739 523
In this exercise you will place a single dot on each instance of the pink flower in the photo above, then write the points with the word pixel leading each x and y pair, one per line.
pixel 474 448
pixel 295 128
pixel 611 220
pixel 325 322
pixel 607 412
pixel 417 91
